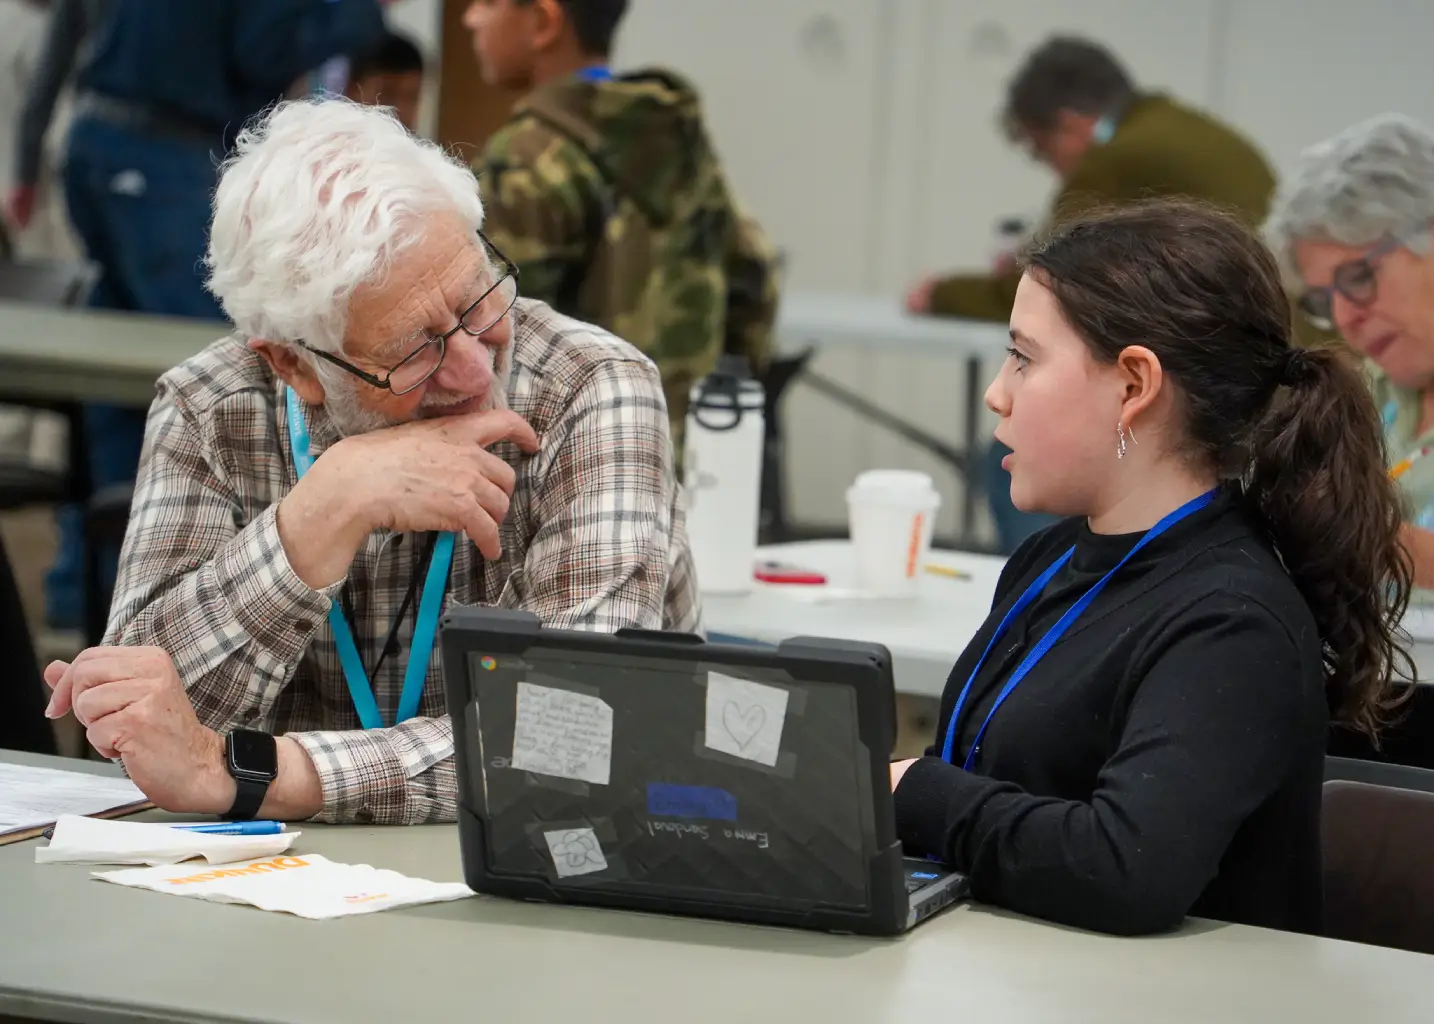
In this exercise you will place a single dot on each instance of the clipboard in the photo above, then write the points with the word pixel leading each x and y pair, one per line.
pixel 33 796
pixel 34 832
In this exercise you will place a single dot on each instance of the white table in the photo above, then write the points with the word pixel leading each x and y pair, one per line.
pixel 828 320
pixel 75 949
pixel 86 355
pixel 925 634
pixel 831 319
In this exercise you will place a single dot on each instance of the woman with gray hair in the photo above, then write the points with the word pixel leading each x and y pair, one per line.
pixel 1351 227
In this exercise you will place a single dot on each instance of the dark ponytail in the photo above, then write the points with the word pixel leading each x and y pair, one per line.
pixel 1296 432
pixel 1317 478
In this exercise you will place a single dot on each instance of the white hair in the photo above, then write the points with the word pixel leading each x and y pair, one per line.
pixel 317 199
pixel 1374 179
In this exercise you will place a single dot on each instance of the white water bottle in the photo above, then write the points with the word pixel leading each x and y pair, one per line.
pixel 722 461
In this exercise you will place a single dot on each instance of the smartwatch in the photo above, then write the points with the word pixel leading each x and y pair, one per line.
pixel 253 760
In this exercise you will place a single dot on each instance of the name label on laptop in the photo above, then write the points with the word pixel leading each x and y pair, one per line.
pixel 670 801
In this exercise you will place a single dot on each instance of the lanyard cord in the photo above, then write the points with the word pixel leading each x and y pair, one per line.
pixel 390 645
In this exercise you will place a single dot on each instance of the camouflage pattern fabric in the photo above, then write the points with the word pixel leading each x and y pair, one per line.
pixel 611 200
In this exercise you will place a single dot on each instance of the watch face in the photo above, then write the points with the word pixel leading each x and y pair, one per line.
pixel 253 754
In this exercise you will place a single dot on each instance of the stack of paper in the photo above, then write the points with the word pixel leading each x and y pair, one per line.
pixel 92 841
pixel 31 799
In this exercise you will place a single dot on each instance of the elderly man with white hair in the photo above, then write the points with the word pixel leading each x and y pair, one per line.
pixel 1353 227
pixel 391 428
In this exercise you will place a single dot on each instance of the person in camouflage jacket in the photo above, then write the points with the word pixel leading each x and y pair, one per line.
pixel 607 193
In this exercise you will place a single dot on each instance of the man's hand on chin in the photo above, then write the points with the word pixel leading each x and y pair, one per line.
pixel 432 474
pixel 133 706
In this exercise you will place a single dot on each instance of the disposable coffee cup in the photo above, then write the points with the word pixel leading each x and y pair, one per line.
pixel 891 514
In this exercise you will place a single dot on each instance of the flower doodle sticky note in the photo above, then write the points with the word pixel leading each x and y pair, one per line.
pixel 575 851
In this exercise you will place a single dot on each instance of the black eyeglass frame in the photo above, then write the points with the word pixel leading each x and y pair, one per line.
pixel 1317 304
pixel 385 382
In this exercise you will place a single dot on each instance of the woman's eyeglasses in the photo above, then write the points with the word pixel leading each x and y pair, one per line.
pixel 1357 280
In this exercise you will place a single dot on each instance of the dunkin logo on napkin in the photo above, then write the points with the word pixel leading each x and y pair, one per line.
pixel 258 867
pixel 309 886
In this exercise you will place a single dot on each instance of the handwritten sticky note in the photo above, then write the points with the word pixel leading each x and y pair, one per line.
pixel 744 719
pixel 575 851
pixel 564 734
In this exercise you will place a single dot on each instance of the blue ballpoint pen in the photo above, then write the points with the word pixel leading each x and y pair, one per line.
pixel 219 828
pixel 236 828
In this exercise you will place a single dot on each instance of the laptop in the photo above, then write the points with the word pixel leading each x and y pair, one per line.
pixel 658 772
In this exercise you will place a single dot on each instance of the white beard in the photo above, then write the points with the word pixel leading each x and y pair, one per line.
pixel 350 418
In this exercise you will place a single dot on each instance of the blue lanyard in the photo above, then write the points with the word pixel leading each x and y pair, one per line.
pixel 1054 633
pixel 425 628
pixel 596 73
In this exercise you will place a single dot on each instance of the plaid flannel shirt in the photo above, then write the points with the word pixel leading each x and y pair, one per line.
pixel 594 539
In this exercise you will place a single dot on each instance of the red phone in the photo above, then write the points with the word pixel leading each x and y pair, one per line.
pixel 781 572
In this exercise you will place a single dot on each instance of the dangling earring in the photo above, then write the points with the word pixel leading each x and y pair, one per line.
pixel 1120 439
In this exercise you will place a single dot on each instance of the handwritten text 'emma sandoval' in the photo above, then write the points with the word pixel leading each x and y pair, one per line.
pixel 682 828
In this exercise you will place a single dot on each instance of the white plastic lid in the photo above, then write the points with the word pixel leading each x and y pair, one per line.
pixel 894 485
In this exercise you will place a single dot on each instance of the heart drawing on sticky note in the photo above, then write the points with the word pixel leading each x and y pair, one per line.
pixel 743 726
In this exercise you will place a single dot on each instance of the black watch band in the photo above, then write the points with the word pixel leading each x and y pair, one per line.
pixel 252 759
pixel 248 798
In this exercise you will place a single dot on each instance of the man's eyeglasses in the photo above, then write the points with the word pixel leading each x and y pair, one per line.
pixel 424 360
pixel 1357 280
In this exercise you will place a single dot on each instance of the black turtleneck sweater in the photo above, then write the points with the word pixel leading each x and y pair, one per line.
pixel 1164 758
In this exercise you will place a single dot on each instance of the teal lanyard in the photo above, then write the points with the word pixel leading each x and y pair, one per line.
pixel 425 628
pixel 948 749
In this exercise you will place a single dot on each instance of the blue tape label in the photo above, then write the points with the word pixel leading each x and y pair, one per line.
pixel 670 801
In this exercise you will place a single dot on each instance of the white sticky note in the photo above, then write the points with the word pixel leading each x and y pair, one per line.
pixel 576 851
pixel 564 734
pixel 744 718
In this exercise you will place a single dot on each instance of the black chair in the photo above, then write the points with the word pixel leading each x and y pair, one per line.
pixel 781 371
pixel 1377 773
pixel 1409 741
pixel 23 725
pixel 1378 888
pixel 106 519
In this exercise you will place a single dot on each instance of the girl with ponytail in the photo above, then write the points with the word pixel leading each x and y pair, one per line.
pixel 1137 733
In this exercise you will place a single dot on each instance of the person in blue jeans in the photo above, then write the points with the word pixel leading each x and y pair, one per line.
pixel 166 88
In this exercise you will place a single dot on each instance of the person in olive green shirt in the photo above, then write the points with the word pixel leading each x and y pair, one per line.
pixel 1353 228
pixel 1076 110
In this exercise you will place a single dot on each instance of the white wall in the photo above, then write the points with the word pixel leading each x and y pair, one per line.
pixel 422 21
pixel 863 133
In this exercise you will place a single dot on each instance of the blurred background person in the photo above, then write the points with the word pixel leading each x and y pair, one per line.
pixel 389 74
pixel 41 38
pixel 607 192
pixel 162 93
pixel 1075 109
pixel 1351 226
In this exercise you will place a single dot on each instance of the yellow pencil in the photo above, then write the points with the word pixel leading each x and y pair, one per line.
pixel 1402 466
pixel 946 570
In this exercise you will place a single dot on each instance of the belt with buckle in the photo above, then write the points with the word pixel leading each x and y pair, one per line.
pixel 147 118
